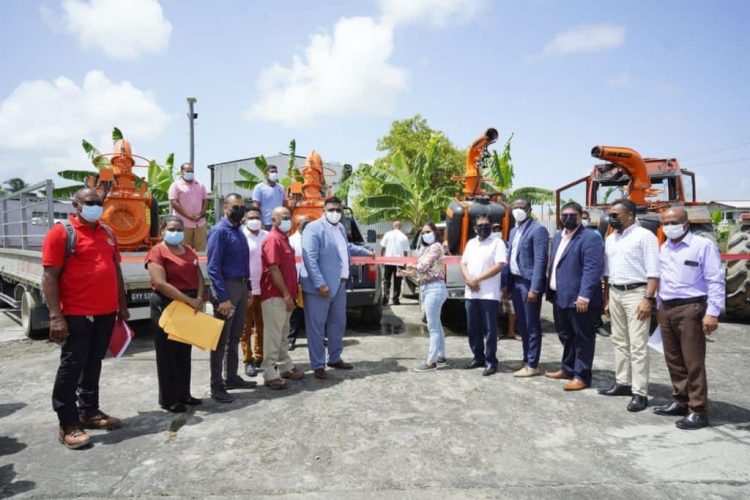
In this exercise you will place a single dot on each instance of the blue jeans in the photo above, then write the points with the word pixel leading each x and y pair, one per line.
pixel 433 297
pixel 481 321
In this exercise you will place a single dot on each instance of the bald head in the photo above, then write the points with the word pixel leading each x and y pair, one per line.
pixel 85 194
pixel 397 224
pixel 279 215
pixel 678 214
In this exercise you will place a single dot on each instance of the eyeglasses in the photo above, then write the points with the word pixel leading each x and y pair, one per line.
pixel 92 203
pixel 334 210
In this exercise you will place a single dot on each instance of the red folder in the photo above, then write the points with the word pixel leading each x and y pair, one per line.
pixel 122 334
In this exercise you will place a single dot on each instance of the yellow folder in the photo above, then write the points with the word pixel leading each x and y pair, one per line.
pixel 183 324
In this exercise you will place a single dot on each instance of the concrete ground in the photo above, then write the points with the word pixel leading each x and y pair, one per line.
pixel 380 430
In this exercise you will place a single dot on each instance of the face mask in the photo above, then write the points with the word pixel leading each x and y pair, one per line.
pixel 519 214
pixel 673 232
pixel 253 224
pixel 483 232
pixel 333 217
pixel 585 222
pixel 615 222
pixel 174 237
pixel 285 226
pixel 91 213
pixel 273 176
pixel 189 176
pixel 237 213
pixel 569 221
pixel 428 238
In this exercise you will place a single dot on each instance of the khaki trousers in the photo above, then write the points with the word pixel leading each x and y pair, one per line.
pixel 630 337
pixel 196 237
pixel 252 333
pixel 275 331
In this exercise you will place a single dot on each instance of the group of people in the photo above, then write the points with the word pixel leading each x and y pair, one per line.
pixel 257 287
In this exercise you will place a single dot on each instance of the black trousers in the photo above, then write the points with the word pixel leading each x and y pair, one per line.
pixel 172 357
pixel 390 274
pixel 577 334
pixel 80 367
pixel 296 323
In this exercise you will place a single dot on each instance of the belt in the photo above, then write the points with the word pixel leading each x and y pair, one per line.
pixel 630 286
pixel 684 302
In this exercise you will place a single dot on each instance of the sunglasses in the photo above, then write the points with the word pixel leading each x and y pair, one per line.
pixel 92 203
pixel 334 210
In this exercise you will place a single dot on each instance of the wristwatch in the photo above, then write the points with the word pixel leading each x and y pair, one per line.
pixel 651 299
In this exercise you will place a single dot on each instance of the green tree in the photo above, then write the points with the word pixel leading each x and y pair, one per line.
pixel 15 184
pixel 500 172
pixel 250 180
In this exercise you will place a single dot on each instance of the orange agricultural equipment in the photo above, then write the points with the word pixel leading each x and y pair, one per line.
pixel 129 209
pixel 307 198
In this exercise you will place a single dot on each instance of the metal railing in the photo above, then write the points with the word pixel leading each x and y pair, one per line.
pixel 22 203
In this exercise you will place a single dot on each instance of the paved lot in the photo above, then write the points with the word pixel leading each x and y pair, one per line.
pixel 381 430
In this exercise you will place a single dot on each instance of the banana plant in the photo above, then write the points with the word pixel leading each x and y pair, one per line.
pixel 250 180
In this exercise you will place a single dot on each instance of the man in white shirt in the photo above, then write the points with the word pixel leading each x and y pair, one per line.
pixel 252 333
pixel 481 263
pixel 297 319
pixel 394 244
pixel 631 277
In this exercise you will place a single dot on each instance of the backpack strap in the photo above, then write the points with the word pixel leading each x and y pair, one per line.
pixel 70 238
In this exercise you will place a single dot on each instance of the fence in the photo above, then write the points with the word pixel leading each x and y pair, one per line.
pixel 21 226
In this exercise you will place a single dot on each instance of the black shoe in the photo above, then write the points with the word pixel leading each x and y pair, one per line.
pixel 221 396
pixel 473 364
pixel 692 422
pixel 617 390
pixel 396 302
pixel 239 383
pixel 192 401
pixel 490 370
pixel 250 369
pixel 671 410
pixel 385 301
pixel 638 403
pixel 291 345
pixel 178 408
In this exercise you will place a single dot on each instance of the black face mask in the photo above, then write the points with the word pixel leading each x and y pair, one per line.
pixel 615 222
pixel 483 232
pixel 237 213
pixel 570 221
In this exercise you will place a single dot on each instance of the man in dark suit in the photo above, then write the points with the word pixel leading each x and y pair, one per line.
pixel 574 287
pixel 526 275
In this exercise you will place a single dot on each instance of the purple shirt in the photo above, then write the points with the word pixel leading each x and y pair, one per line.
pixel 692 268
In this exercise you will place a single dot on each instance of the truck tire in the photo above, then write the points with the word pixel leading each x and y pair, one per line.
pixel 28 303
pixel 737 303
pixel 706 230
pixel 372 314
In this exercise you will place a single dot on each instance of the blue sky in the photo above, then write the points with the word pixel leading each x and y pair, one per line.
pixel 666 78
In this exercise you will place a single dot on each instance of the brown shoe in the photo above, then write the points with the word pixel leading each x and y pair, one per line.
pixel 341 365
pixel 293 374
pixel 321 374
pixel 73 437
pixel 276 384
pixel 100 421
pixel 558 375
pixel 575 385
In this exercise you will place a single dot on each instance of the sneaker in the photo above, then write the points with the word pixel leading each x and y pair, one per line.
pixel 424 367
pixel 73 437
pixel 526 372
pixel 442 363
pixel 100 420
pixel 221 396
pixel 239 383
pixel 250 369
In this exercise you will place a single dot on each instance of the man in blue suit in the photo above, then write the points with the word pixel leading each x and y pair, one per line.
pixel 525 278
pixel 327 256
pixel 575 289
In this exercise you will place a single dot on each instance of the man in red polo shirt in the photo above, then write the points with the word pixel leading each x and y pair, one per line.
pixel 85 294
pixel 278 289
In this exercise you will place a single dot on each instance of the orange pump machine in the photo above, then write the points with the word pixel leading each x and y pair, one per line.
pixel 129 209
pixel 308 197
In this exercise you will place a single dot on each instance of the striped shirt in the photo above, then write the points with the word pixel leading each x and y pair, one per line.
pixel 631 256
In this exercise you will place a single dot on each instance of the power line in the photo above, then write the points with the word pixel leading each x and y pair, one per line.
pixel 732 145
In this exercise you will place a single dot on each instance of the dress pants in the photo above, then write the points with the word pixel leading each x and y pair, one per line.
pixel 196 237
pixel 252 333
pixel 388 276
pixel 274 339
pixel 80 367
pixel 296 323
pixel 577 333
pixel 172 357
pixel 630 337
pixel 528 320
pixel 325 314
pixel 685 353
pixel 225 357
pixel 481 321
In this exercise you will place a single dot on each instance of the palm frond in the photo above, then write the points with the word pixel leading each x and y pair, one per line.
pixel 75 175
pixel 67 191
pixel 534 195
pixel 116 134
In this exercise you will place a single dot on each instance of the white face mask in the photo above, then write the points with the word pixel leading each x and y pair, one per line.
pixel 333 217
pixel 285 226
pixel 673 232
pixel 273 176
pixel 585 222
pixel 428 238
pixel 519 214
pixel 253 224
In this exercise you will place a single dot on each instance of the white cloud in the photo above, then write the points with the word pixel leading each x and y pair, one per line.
pixel 437 12
pixel 585 39
pixel 121 29
pixel 623 79
pixel 349 71
pixel 46 120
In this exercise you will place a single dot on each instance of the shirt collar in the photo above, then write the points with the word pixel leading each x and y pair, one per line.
pixel 686 240
pixel 227 223
pixel 275 230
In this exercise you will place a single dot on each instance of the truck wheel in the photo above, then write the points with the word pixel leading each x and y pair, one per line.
pixel 372 314
pixel 28 303
pixel 706 230
pixel 736 303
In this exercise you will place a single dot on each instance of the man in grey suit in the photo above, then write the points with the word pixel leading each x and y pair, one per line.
pixel 327 256
pixel 525 275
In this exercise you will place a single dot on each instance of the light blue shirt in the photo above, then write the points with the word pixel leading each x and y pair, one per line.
pixel 269 197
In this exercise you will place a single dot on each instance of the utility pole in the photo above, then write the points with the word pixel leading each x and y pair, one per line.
pixel 192 116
